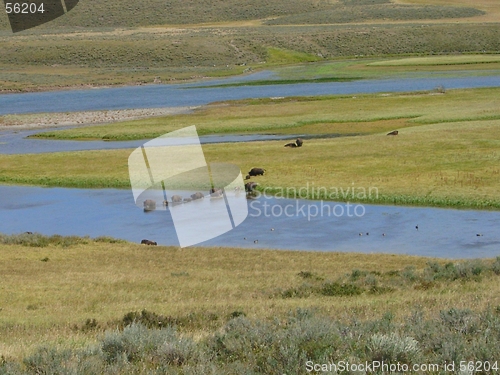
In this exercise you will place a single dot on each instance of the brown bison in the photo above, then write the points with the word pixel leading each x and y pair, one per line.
pixel 148 242
pixel 256 172
pixel 176 199
pixel 149 205
pixel 297 143
pixel 250 186
pixel 394 132
pixel 197 195
pixel 216 193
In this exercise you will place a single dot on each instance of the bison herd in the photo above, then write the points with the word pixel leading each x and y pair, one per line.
pixel 250 189
pixel 250 186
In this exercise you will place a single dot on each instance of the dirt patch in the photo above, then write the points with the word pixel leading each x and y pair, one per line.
pixel 47 120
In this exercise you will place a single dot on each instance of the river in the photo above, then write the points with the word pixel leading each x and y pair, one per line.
pixel 445 233
pixel 186 95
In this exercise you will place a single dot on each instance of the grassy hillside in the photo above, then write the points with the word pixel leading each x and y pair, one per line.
pixel 105 13
pixel 102 13
pixel 349 11
pixel 109 42
pixel 119 57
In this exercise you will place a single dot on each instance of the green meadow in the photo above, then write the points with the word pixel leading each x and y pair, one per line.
pixel 440 60
pixel 446 153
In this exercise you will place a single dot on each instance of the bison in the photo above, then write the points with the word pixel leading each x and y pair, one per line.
pixel 197 195
pixel 216 193
pixel 297 143
pixel 149 205
pixel 394 132
pixel 250 186
pixel 176 199
pixel 256 172
pixel 148 242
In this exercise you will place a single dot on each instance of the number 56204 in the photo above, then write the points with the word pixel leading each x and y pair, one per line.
pixel 23 8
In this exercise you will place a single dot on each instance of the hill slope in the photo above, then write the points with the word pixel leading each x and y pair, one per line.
pixel 113 13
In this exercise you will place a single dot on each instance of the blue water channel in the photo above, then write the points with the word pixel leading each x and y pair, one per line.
pixel 194 94
pixel 304 225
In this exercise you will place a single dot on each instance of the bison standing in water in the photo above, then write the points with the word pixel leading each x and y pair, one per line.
pixel 250 186
pixel 256 172
pixel 176 199
pixel 197 195
pixel 216 193
pixel 149 205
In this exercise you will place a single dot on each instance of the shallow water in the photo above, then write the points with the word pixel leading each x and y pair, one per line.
pixel 442 233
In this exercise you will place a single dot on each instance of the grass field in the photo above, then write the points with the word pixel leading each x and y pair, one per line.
pixel 65 291
pixel 356 11
pixel 440 60
pixel 450 164
pixel 446 154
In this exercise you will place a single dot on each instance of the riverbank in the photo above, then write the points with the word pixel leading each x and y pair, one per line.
pixel 351 112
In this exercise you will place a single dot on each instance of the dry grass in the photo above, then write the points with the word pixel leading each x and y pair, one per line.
pixel 43 300
pixel 440 60
pixel 491 7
